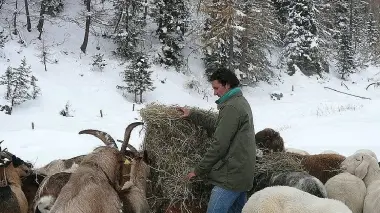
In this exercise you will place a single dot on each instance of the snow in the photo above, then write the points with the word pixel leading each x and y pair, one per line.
pixel 311 117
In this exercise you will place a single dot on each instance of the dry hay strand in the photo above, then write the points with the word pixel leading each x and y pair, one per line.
pixel 175 146
pixel 275 162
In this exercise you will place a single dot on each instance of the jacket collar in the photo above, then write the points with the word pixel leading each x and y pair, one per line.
pixel 228 95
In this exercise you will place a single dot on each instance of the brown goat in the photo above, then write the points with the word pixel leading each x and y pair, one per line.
pixel 269 140
pixel 48 191
pixel 133 193
pixel 12 169
pixel 30 185
pixel 94 186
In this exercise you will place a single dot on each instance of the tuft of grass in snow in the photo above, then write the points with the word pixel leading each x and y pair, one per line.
pixel 327 109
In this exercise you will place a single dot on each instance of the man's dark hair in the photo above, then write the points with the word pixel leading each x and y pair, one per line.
pixel 225 76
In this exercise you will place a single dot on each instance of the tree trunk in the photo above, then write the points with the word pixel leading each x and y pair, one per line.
pixel 40 25
pixel 87 32
pixel 15 20
pixel 28 24
pixel 141 100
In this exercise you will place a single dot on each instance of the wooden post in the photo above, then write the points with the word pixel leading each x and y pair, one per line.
pixel 101 113
pixel 32 125
pixel 133 108
pixel 292 88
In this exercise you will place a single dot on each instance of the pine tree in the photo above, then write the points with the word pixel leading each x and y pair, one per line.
pixel 345 54
pixel 137 76
pixel 171 17
pixel 130 27
pixel 373 37
pixel 3 38
pixel 22 81
pixel 7 80
pixel 36 91
pixel 302 50
pixel 345 62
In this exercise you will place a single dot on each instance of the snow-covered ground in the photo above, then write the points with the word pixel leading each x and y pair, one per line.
pixel 311 117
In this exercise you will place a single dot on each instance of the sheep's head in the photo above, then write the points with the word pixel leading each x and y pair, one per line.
pixel 269 140
pixel 358 164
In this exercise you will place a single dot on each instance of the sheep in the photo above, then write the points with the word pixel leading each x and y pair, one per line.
pixel 300 180
pixel 323 166
pixel 269 140
pixel 12 169
pixel 349 189
pixel 95 184
pixel 368 151
pixel 286 199
pixel 297 151
pixel 329 152
pixel 365 167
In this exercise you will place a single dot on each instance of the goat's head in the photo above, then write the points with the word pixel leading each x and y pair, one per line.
pixel 123 156
pixel 22 168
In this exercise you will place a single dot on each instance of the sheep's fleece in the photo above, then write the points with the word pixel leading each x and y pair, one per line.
pixel 349 189
pixel 286 199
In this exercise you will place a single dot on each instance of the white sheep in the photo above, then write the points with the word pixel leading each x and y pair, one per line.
pixel 367 151
pixel 286 199
pixel 349 189
pixel 366 168
pixel 297 151
pixel 329 152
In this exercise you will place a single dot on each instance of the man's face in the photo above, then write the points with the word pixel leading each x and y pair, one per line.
pixel 219 89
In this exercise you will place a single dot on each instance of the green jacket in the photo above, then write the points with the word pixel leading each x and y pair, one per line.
pixel 230 160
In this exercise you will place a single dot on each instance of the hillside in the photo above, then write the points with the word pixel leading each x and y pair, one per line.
pixel 310 117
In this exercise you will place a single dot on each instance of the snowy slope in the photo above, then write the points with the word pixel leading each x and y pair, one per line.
pixel 310 118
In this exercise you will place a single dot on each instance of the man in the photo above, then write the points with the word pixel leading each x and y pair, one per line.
pixel 229 162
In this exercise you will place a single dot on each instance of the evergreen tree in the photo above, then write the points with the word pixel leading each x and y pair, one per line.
pixel 36 91
pixel 7 80
pixel 22 80
pixel 137 77
pixel 171 17
pixel 130 27
pixel 345 62
pixel 345 53
pixel 3 38
pixel 373 38
pixel 302 50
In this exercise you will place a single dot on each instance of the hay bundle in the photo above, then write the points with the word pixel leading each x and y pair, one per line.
pixel 175 146
pixel 275 162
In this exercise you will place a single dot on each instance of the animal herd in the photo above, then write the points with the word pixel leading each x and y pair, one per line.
pixel 105 180
pixel 113 180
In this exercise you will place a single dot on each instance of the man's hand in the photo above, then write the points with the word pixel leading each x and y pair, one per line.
pixel 185 112
pixel 190 175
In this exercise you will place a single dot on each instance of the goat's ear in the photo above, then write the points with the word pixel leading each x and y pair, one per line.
pixel 146 157
pixel 362 169
pixel 16 161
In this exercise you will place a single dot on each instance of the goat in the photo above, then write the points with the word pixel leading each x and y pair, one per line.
pixel 59 165
pixel 95 184
pixel 12 169
pixel 133 192
pixel 30 185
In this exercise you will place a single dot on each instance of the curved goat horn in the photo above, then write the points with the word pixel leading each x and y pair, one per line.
pixel 132 148
pixel 127 135
pixel 103 136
